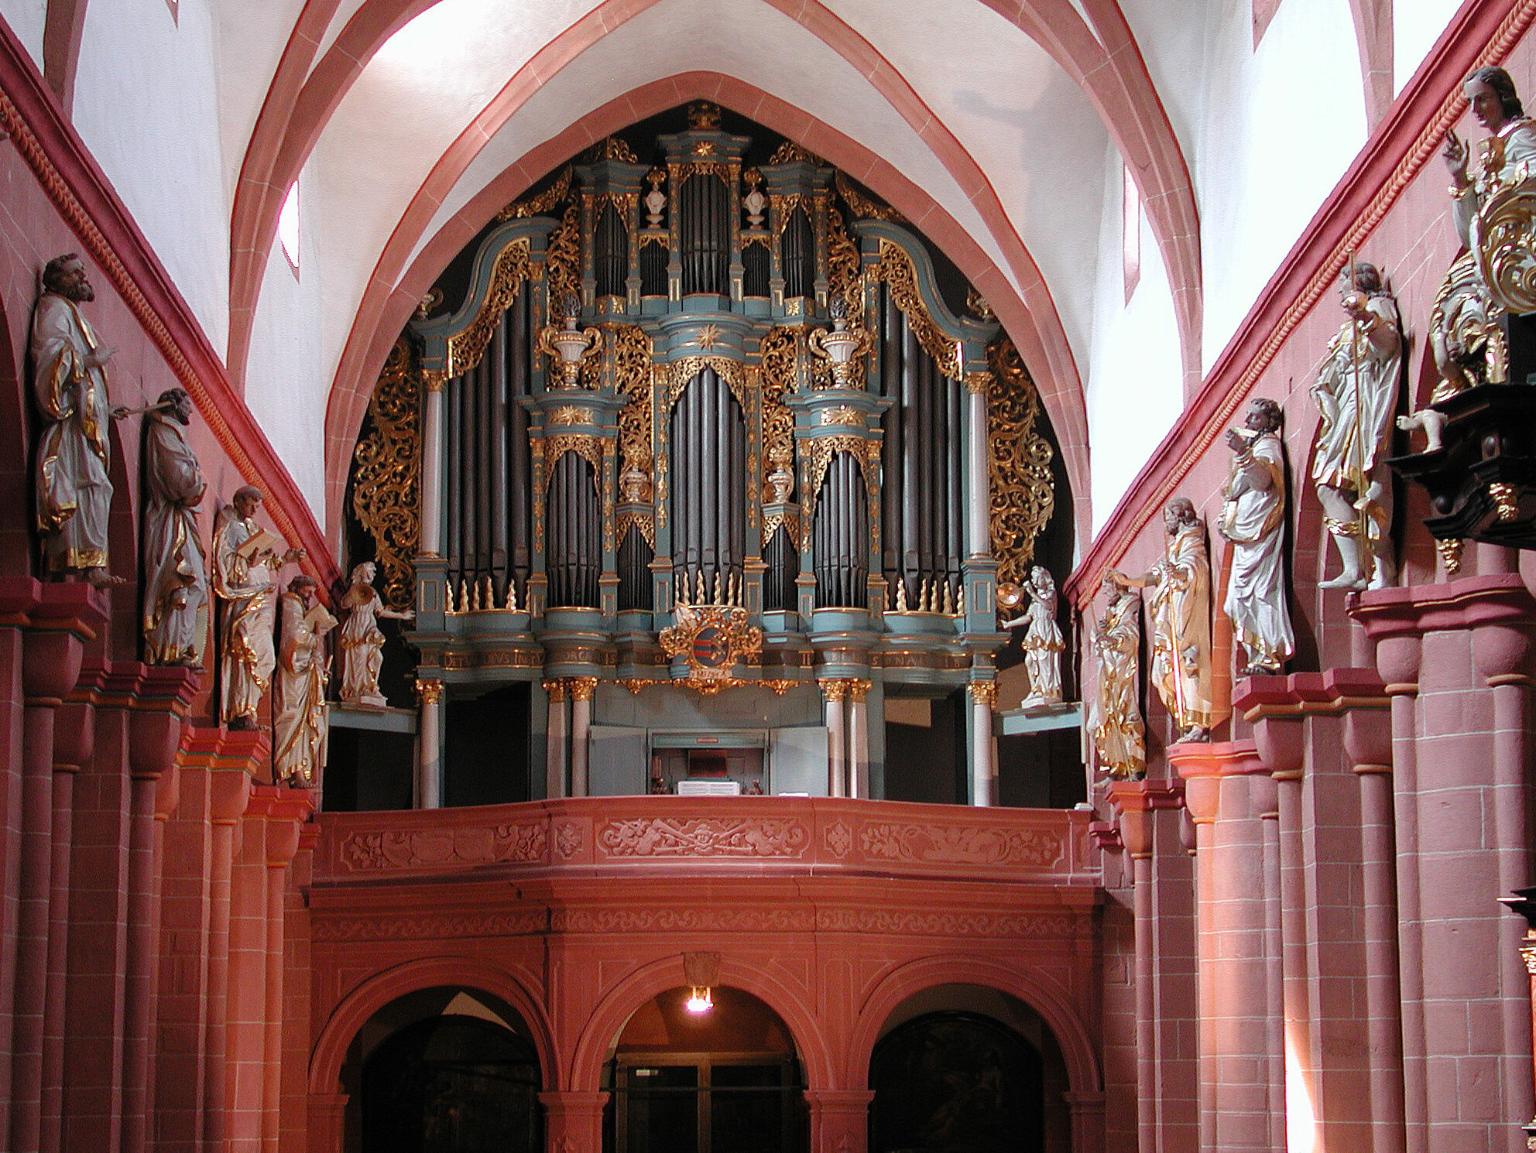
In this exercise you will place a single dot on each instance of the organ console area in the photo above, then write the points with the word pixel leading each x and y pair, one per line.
pixel 700 456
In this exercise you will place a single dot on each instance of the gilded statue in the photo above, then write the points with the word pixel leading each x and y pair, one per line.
pixel 175 567
pixel 245 564
pixel 1466 334
pixel 1043 643
pixel 299 731
pixel 362 644
pixel 1179 609
pixel 74 453
pixel 1253 519
pixel 1355 387
pixel 1114 720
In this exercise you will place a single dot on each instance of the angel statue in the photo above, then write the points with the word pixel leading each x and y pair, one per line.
pixel 1043 644
pixel 362 644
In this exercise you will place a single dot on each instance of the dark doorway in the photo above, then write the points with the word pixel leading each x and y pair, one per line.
pixel 452 1084
pixel 956 1083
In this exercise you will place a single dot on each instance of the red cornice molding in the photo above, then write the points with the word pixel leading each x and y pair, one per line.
pixel 85 199
pixel 1483 32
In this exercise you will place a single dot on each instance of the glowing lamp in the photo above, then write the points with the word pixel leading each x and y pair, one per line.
pixel 699 1000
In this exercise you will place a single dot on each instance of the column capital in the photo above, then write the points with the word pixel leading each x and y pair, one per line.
pixel 1203 766
pixel 983 693
pixel 429 690
pixel 1137 801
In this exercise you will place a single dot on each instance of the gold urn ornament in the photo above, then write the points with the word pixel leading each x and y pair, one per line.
pixel 569 346
pixel 843 348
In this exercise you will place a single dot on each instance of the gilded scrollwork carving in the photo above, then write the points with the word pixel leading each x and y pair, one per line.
pixel 673 377
pixel 540 203
pixel 845 275
pixel 865 207
pixel 789 152
pixel 643 521
pixel 631 350
pixel 562 262
pixel 781 357
pixel 816 454
pixel 789 521
pixel 1504 240
pixel 1023 494
pixel 465 348
pixel 712 639
pixel 387 473
pixel 896 269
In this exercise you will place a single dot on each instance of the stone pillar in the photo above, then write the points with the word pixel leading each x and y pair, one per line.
pixel 1087 1111
pixel 554 766
pixel 582 690
pixel 983 748
pixel 978 489
pixel 328 1119
pixel 429 745
pixel 1227 788
pixel 62 619
pixel 1139 803
pixel 834 694
pixel 573 1121
pixel 74 745
pixel 1458 658
pixel 840 1119
pixel 287 811
pixel 432 467
pixel 858 739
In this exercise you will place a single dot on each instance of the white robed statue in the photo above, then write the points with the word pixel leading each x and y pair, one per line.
pixel 175 570
pixel 1043 643
pixel 1253 519
pixel 302 723
pixel 362 644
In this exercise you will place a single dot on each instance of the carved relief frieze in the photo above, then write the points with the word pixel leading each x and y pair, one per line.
pixel 960 845
pixel 703 837
pixel 520 843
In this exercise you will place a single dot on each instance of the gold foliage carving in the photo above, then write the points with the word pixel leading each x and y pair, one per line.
pixel 712 639
pixel 465 348
pixel 789 521
pixel 631 350
pixel 785 208
pixel 1023 494
pixel 385 494
pixel 672 378
pixel 641 520
pixel 552 448
pixel 782 355
pixel 563 260
pixel 789 152
pixel 865 207
pixel 896 269
pixel 845 276
pixel 615 148
pixel 541 203
pixel 1504 239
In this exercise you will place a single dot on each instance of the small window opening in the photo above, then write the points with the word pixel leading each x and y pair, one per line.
pixel 288 227
pixel 1130 231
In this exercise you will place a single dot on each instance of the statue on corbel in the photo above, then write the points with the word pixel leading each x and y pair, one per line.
pixel 1179 614
pixel 1253 520
pixel 1355 386
pixel 1114 716
pixel 1043 643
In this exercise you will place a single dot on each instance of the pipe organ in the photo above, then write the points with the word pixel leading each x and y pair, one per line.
pixel 718 391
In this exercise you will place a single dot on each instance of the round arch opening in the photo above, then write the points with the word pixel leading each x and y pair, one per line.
pixel 967 1069
pixel 443 1070
pixel 726 1079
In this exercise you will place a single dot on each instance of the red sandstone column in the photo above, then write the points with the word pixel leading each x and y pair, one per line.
pixel 839 1119
pixel 1274 985
pixel 74 739
pixel 1226 788
pixel 1139 802
pixel 297 1135
pixel 328 1117
pixel 12 602
pixel 231 789
pixel 61 622
pixel 289 810
pixel 573 1122
pixel 246 1053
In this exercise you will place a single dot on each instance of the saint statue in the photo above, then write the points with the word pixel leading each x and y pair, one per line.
pixel 1253 519
pixel 245 556
pixel 1179 607
pixel 1465 334
pixel 1043 644
pixel 74 493
pixel 1356 391
pixel 299 733
pixel 175 568
pixel 362 644
pixel 1114 721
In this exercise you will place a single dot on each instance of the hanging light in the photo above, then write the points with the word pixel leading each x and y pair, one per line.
pixel 699 1000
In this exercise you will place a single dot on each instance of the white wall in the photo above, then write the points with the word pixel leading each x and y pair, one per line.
pixel 252 37
pixel 146 104
pixel 26 18
pixel 1134 383
pixel 286 383
pixel 1416 25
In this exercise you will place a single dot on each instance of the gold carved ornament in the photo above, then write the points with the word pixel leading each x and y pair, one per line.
pixel 783 208
pixel 386 476
pixel 865 207
pixel 567 414
pixel 788 521
pixel 711 639
pixel 1504 239
pixel 630 348
pixel 562 261
pixel 642 521
pixel 615 148
pixel 898 272
pixel 1023 495
pixel 789 152
pixel 781 358
pixel 466 347
pixel 540 204
pixel 983 693
pixel 845 275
